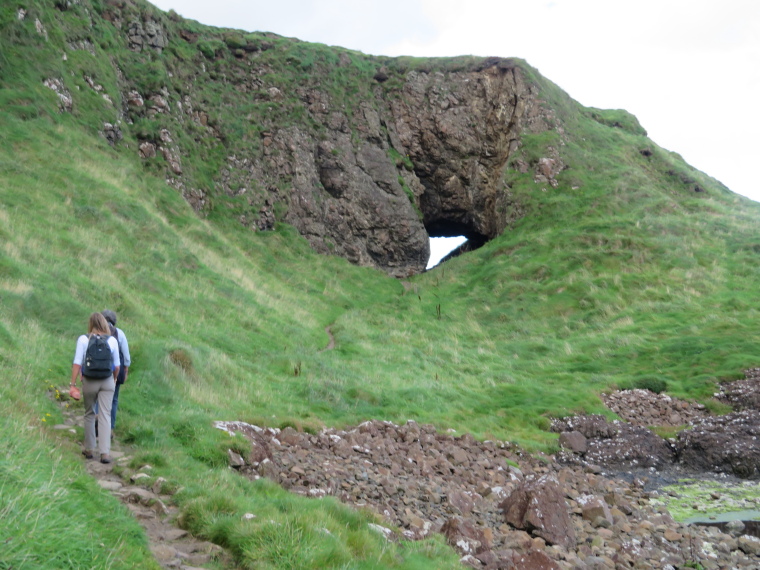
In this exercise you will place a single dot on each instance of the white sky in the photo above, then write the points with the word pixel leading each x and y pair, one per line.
pixel 688 69
pixel 441 247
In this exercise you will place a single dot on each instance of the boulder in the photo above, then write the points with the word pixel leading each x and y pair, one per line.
pixel 535 560
pixel 464 536
pixel 574 440
pixel 593 507
pixel 236 460
pixel 749 545
pixel 539 507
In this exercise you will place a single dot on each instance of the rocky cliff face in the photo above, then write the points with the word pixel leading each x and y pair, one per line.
pixel 365 157
pixel 428 161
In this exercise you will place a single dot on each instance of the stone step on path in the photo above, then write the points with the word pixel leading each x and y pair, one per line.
pixel 144 496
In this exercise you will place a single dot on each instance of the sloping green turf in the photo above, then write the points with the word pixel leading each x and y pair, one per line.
pixel 623 274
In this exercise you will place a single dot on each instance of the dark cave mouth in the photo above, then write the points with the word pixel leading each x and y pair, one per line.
pixel 448 240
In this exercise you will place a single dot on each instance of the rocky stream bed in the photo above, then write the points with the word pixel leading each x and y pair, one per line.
pixel 593 506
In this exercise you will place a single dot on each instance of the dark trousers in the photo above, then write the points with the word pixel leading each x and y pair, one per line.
pixel 114 405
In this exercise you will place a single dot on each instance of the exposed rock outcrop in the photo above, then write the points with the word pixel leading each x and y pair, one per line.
pixel 728 444
pixel 429 160
pixel 458 130
pixel 146 34
pixel 65 100
pixel 725 444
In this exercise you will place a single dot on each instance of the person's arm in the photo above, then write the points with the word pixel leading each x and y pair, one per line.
pixel 76 367
pixel 124 345
pixel 75 371
pixel 115 363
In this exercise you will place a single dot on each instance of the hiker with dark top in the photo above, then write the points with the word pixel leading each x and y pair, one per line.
pixel 97 360
pixel 121 377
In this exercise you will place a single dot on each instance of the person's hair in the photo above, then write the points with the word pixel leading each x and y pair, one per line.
pixel 110 316
pixel 98 324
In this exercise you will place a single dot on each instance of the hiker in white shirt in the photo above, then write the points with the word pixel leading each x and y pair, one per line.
pixel 97 386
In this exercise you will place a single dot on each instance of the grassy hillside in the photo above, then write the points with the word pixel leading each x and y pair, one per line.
pixel 637 267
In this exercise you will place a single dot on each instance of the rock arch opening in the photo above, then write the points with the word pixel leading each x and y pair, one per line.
pixel 441 247
pixel 450 239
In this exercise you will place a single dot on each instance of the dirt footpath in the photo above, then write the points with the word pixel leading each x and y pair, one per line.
pixel 149 499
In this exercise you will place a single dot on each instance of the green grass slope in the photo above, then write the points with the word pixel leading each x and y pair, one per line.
pixel 635 268
pixel 218 322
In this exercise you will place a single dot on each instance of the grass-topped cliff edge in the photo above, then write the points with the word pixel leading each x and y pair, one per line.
pixel 622 274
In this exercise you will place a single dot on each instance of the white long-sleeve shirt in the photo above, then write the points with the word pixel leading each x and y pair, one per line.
pixel 124 347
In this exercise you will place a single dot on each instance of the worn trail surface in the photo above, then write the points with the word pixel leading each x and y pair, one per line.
pixel 331 344
pixel 149 500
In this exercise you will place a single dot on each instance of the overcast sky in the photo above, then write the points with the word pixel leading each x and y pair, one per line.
pixel 689 70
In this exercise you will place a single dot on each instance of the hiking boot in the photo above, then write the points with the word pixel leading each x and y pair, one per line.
pixel 105 458
pixel 87 454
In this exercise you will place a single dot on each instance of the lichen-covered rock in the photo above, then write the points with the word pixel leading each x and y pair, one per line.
pixel 65 101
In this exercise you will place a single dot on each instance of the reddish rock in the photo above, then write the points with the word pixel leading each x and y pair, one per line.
pixel 289 436
pixel 463 502
pixel 535 560
pixel 464 536
pixel 593 507
pixel 539 507
pixel 147 150
pixel 384 467
pixel 574 441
